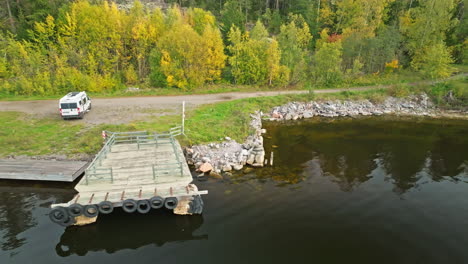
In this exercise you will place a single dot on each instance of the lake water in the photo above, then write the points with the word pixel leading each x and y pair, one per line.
pixel 365 190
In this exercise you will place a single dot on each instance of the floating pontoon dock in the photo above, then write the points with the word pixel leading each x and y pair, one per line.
pixel 138 171
pixel 41 170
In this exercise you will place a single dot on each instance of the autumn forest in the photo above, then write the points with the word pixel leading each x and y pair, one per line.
pixel 49 47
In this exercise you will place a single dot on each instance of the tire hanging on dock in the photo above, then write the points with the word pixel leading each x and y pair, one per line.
pixel 156 202
pixel 143 206
pixel 196 205
pixel 70 221
pixel 91 210
pixel 106 207
pixel 75 210
pixel 129 206
pixel 58 215
pixel 171 203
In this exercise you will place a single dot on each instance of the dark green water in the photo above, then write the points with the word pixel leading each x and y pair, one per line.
pixel 367 190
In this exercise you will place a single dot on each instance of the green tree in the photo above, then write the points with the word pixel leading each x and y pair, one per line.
pixel 294 40
pixel 434 61
pixel 424 28
pixel 231 16
pixel 327 61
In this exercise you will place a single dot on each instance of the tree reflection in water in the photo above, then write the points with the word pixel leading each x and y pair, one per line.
pixel 18 200
pixel 349 150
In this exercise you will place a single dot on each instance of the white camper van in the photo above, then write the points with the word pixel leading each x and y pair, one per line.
pixel 74 105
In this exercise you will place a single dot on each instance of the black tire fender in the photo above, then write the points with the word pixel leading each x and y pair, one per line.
pixel 143 206
pixel 91 210
pixel 106 207
pixel 196 205
pixel 70 221
pixel 171 203
pixel 58 215
pixel 129 206
pixel 75 210
pixel 156 202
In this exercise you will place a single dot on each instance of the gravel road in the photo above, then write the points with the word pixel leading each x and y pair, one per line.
pixel 126 109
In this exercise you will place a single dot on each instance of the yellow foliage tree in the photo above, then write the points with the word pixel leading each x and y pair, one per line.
pixel 188 59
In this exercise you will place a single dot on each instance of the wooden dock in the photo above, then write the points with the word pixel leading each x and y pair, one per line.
pixel 134 167
pixel 41 170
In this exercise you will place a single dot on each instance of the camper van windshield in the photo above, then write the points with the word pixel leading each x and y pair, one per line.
pixel 68 106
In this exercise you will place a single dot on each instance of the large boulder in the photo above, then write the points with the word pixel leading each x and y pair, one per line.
pixel 205 167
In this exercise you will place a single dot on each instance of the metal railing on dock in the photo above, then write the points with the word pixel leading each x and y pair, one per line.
pixel 95 171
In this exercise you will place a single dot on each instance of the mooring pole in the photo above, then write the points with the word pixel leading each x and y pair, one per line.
pixel 183 118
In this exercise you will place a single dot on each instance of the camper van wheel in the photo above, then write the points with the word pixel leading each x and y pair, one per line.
pixel 129 206
pixel 171 203
pixel 143 206
pixel 106 207
pixel 58 215
pixel 89 108
pixel 91 210
pixel 75 210
pixel 156 202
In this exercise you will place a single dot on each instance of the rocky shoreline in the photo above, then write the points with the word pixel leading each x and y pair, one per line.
pixel 231 155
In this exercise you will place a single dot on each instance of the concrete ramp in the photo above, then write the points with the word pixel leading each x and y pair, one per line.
pixel 41 170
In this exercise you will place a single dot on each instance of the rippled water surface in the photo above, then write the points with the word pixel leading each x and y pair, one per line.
pixel 366 190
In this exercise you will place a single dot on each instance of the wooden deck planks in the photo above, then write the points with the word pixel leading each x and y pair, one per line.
pixel 133 172
pixel 41 170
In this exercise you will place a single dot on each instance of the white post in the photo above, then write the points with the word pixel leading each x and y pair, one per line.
pixel 183 118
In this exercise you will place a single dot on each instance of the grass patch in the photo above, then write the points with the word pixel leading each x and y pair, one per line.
pixel 22 135
pixel 439 93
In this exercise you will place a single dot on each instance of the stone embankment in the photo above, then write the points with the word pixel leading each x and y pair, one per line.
pixel 413 105
pixel 231 155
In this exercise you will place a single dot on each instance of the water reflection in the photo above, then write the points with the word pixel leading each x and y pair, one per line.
pixel 349 150
pixel 18 200
pixel 120 230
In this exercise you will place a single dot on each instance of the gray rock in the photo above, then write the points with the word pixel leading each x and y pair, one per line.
pixel 237 167
pixel 227 167
pixel 251 159
pixel 308 114
pixel 260 157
